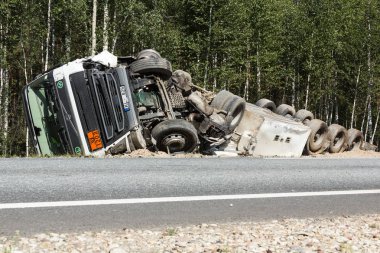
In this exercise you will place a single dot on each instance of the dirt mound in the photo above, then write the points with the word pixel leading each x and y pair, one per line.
pixel 159 154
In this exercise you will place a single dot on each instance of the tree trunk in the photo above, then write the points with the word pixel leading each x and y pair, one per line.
pixel 214 62
pixel 307 91
pixel 5 109
pixel 68 41
pixel 370 80
pixel 375 128
pixel 365 113
pixel 42 55
pixel 114 39
pixel 1 86
pixel 294 89
pixel 52 44
pixel 208 46
pixel 26 81
pixel 258 71
pixel 368 129
pixel 355 97
pixel 48 36
pixel 308 79
pixel 283 99
pixel 248 75
pixel 298 100
pixel 4 87
pixel 116 31
pixel 93 36
pixel 331 109
pixel 1 68
pixel 68 35
pixel 336 99
pixel 105 26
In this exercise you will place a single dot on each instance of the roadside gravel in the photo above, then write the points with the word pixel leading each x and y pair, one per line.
pixel 339 234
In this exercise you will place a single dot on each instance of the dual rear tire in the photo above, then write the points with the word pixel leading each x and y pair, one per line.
pixel 233 105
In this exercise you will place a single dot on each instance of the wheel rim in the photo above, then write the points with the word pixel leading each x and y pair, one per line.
pixel 338 140
pixel 236 116
pixel 319 138
pixel 175 142
pixel 356 143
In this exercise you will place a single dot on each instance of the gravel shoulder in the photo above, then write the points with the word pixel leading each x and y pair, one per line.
pixel 339 234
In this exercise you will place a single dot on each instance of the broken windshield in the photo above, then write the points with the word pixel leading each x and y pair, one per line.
pixel 43 109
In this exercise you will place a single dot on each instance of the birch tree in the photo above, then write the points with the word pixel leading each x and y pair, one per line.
pixel 355 98
pixel 370 73
pixel 376 123
pixel 93 34
pixel 47 45
pixel 208 45
pixel 4 79
pixel 105 25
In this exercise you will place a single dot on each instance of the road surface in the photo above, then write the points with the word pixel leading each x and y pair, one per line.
pixel 77 194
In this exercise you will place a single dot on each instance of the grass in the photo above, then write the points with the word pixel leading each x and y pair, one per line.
pixel 7 244
pixel 170 232
pixel 7 249
pixel 345 248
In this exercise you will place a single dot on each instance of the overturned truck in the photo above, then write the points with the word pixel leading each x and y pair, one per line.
pixel 111 105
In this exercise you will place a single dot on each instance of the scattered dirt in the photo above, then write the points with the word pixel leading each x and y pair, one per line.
pixel 159 154
pixel 142 153
pixel 352 154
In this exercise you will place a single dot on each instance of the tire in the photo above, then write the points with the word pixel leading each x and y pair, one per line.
pixel 338 138
pixel 220 99
pixel 152 66
pixel 304 115
pixel 148 53
pixel 266 103
pixel 355 139
pixel 233 105
pixel 175 136
pixel 235 108
pixel 318 136
pixel 285 110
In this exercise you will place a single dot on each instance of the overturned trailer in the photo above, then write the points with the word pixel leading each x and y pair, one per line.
pixel 264 133
pixel 109 105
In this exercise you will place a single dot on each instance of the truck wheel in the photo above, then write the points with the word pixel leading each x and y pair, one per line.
pixel 175 135
pixel 148 53
pixel 221 98
pixel 304 115
pixel 338 138
pixel 355 139
pixel 285 110
pixel 266 103
pixel 235 109
pixel 152 66
pixel 318 136
pixel 232 104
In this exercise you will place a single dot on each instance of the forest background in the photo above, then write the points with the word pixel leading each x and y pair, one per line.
pixel 322 55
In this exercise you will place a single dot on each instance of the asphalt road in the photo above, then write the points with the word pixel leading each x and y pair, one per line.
pixel 60 180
